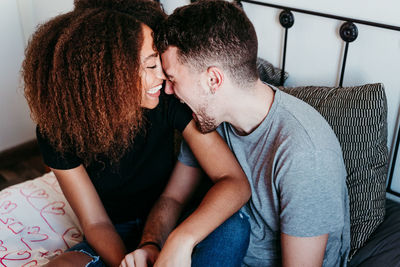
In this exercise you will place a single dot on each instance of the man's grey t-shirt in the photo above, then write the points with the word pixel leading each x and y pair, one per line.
pixel 295 167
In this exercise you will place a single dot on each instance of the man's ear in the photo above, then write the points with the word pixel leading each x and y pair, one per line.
pixel 215 78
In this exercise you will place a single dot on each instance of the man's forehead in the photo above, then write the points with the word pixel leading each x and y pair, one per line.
pixel 169 60
pixel 171 53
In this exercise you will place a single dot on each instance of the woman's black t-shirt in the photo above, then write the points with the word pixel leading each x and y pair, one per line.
pixel 129 190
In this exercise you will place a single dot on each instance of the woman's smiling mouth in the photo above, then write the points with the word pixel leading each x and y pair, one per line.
pixel 155 91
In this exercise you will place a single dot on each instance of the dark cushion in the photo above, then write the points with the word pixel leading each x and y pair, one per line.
pixel 358 118
pixel 269 73
pixel 383 247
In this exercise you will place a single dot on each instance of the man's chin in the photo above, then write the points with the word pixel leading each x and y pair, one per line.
pixel 205 127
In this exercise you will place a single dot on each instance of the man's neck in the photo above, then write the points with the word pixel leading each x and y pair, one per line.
pixel 249 107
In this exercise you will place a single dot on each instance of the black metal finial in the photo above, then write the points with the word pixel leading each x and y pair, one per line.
pixel 286 18
pixel 348 32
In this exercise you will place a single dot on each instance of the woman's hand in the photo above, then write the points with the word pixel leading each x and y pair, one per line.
pixel 142 257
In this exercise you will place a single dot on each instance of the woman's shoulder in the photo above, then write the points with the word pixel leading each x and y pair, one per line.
pixel 53 156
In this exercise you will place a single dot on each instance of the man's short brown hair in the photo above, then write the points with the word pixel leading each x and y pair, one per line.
pixel 210 33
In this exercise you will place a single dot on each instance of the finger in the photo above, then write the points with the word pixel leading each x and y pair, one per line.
pixel 129 261
pixel 140 261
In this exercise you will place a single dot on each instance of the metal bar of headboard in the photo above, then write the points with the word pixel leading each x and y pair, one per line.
pixel 348 32
pixel 369 23
pixel 343 64
pixel 396 150
pixel 286 19
pixel 284 58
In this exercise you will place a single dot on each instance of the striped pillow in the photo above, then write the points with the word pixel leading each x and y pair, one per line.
pixel 268 73
pixel 357 115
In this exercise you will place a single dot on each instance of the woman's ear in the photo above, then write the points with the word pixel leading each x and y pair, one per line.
pixel 215 78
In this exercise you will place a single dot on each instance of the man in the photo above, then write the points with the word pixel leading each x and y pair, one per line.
pixel 298 211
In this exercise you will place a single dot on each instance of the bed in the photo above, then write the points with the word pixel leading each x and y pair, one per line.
pixel 36 222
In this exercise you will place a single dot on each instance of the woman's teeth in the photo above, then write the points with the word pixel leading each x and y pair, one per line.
pixel 154 89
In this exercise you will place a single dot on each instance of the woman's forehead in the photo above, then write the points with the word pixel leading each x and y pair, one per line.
pixel 147 52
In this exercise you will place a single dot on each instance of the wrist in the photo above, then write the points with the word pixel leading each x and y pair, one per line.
pixel 150 243
pixel 182 237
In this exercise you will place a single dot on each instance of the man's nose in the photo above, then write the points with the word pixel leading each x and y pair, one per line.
pixel 169 88
pixel 160 73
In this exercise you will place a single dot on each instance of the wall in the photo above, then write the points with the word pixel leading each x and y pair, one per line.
pixel 15 124
pixel 34 12
pixel 18 20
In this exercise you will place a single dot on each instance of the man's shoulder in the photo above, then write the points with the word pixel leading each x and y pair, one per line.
pixel 305 124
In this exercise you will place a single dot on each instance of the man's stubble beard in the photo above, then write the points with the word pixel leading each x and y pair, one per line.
pixel 204 122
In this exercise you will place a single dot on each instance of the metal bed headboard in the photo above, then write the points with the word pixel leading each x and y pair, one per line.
pixel 348 33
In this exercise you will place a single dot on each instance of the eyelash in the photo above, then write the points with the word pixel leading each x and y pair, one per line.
pixel 152 67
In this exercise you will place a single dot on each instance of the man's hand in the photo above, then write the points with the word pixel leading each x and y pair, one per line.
pixel 177 252
pixel 143 257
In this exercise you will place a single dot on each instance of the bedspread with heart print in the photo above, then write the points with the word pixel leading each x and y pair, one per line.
pixel 36 223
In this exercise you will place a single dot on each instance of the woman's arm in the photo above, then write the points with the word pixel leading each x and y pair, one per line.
pixel 85 202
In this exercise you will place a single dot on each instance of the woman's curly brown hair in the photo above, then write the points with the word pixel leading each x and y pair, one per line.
pixel 81 76
pixel 147 11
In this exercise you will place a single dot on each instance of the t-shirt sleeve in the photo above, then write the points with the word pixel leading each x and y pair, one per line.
pixel 179 114
pixel 53 158
pixel 186 156
pixel 312 193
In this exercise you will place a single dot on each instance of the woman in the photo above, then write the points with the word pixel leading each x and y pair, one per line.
pixel 93 82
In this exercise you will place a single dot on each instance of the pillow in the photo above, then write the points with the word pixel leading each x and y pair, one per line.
pixel 268 73
pixel 36 223
pixel 357 115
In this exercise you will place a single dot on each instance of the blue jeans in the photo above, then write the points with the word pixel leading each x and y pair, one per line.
pixel 224 247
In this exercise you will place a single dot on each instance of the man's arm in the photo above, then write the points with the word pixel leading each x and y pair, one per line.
pixel 229 193
pixel 303 251
pixel 86 204
pixel 312 202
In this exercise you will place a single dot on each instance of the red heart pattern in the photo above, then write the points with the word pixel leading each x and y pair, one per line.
pixel 7 207
pixel 37 220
